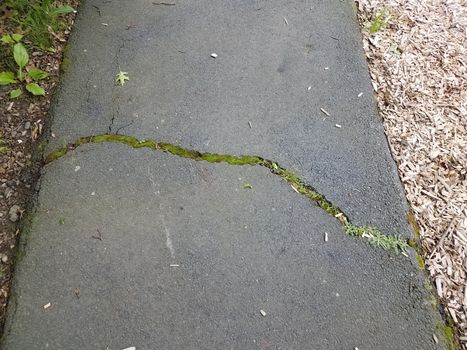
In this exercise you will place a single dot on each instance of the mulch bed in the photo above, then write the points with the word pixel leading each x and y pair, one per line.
pixel 417 55
pixel 21 124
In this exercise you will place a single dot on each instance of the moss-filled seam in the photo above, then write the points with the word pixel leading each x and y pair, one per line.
pixel 372 234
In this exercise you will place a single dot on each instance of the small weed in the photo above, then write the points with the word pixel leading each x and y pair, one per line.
pixel 21 58
pixel 378 239
pixel 247 185
pixel 3 147
pixel 61 221
pixel 378 22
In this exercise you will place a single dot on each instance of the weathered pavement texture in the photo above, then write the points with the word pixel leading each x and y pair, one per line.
pixel 133 247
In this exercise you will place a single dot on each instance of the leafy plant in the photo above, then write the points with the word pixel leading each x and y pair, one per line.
pixel 40 19
pixel 21 58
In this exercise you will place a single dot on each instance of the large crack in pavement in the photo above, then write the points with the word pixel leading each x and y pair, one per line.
pixel 372 234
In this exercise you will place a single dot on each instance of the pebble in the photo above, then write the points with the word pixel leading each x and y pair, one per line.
pixel 4 258
pixel 27 125
pixel 14 213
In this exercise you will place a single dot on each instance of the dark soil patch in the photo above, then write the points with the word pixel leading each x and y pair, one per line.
pixel 21 125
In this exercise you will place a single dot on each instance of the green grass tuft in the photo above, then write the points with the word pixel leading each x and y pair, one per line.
pixel 378 239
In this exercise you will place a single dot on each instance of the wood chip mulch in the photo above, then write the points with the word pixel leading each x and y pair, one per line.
pixel 418 66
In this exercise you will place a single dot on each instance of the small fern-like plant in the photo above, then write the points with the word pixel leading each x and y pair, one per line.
pixel 378 239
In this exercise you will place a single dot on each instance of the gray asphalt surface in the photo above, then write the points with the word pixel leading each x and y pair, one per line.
pixel 138 248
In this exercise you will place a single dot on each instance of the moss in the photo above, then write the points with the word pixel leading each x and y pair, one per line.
pixel 413 223
pixel 420 261
pixel 65 64
pixel 447 334
pixel 375 237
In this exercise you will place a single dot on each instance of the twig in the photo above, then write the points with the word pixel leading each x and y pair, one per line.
pixel 441 240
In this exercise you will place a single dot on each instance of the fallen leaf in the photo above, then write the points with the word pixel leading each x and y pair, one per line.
pixel 121 77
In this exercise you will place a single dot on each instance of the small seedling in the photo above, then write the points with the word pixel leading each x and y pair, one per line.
pixel 61 221
pixel 21 57
pixel 378 22
pixel 247 185
pixel 121 77
pixel 3 147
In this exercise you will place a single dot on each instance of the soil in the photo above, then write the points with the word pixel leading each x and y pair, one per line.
pixel 22 123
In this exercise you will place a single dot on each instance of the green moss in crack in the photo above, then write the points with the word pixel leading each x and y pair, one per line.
pixel 420 261
pixel 374 236
pixel 447 333
pixel 413 223
pixel 65 65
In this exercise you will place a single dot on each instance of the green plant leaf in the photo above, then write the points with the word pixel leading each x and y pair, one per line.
pixel 62 10
pixel 16 93
pixel 35 89
pixel 21 55
pixel 7 39
pixel 121 77
pixel 17 37
pixel 37 74
pixel 7 78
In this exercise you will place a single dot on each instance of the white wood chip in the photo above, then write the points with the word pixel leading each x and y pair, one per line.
pixel 130 348
pixel 325 236
pixel 263 313
pixel 324 111
pixel 214 55
pixel 338 126
pixel 286 22
pixel 46 306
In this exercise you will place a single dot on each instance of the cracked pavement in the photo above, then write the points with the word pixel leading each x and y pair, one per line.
pixel 146 249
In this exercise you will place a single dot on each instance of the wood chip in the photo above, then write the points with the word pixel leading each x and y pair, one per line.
pixel 325 236
pixel 214 55
pixel 338 126
pixel 263 313
pixel 324 111
pixel 286 22
pixel 417 66
pixel 46 306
